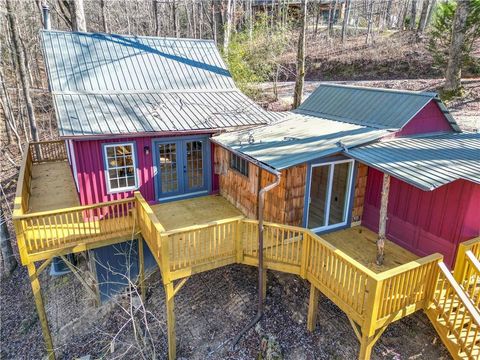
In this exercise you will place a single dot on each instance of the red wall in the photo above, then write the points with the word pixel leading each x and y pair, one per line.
pixel 425 222
pixel 428 120
pixel 91 176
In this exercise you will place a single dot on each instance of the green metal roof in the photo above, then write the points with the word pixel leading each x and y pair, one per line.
pixel 374 107
pixel 297 139
pixel 427 161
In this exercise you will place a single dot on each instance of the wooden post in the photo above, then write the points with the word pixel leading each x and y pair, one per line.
pixel 37 294
pixel 169 297
pixel 312 308
pixel 366 346
pixel 382 225
pixel 141 268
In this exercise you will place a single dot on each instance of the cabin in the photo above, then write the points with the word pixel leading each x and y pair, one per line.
pixel 162 158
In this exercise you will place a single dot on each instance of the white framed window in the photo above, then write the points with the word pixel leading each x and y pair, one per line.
pixel 120 167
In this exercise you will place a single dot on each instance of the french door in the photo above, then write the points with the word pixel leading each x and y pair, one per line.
pixel 329 195
pixel 181 167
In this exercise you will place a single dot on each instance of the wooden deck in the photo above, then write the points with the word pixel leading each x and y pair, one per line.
pixel 360 243
pixel 195 211
pixel 53 187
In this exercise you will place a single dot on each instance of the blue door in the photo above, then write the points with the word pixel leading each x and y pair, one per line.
pixel 182 167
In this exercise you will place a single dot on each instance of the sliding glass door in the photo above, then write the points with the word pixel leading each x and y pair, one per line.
pixel 329 195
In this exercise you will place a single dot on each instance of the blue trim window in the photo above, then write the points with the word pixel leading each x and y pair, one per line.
pixel 239 164
pixel 120 167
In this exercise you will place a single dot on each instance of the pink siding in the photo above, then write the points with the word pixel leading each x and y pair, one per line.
pixel 425 222
pixel 91 176
pixel 429 119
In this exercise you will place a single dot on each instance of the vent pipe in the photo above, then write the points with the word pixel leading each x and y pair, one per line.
pixel 46 16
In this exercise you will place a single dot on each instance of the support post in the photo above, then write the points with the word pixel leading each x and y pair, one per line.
pixel 312 308
pixel 382 225
pixel 141 268
pixel 366 346
pixel 169 297
pixel 37 294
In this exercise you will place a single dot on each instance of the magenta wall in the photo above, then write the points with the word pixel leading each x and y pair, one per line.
pixel 425 222
pixel 91 176
pixel 428 120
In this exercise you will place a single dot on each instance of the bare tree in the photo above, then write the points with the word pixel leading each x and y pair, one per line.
pixel 300 77
pixel 413 15
pixel 423 16
pixel 228 27
pixel 455 55
pixel 9 263
pixel 78 16
pixel 369 37
pixel 103 8
pixel 346 19
pixel 22 71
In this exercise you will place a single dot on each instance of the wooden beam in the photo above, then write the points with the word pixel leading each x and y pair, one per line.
pixel 312 308
pixel 382 225
pixel 169 302
pixel 264 284
pixel 75 272
pixel 37 294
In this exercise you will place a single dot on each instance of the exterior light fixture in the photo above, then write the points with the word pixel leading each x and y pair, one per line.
pixel 146 150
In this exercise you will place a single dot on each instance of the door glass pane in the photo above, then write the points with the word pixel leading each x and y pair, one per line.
pixel 338 199
pixel 318 196
pixel 168 167
pixel 194 158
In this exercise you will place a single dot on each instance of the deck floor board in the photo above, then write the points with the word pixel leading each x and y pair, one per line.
pixel 194 211
pixel 53 187
pixel 360 243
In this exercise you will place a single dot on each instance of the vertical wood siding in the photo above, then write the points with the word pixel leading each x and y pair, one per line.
pixel 91 172
pixel 425 222
pixel 429 119
pixel 359 194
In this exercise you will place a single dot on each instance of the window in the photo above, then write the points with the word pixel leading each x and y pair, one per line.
pixel 239 164
pixel 120 167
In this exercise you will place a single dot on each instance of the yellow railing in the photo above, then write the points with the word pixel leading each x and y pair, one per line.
pixel 60 231
pixel 454 315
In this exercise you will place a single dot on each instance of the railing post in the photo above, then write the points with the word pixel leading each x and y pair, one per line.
pixel 460 261
pixel 239 242
pixel 374 288
pixel 305 252
pixel 165 257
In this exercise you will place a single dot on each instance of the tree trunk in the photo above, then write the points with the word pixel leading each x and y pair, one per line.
pixel 413 15
pixel 300 78
pixel 382 227
pixel 22 71
pixel 430 12
pixel 346 19
pixel 369 38
pixel 78 16
pixel 455 55
pixel 227 28
pixel 8 259
pixel 174 19
pixel 388 14
pixel 104 16
pixel 423 16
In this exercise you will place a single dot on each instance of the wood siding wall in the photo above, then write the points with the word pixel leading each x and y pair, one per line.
pixel 359 194
pixel 283 204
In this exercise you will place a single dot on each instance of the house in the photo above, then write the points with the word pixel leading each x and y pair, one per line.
pixel 330 181
pixel 160 150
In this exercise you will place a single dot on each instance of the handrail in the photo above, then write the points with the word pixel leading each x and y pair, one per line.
pixel 460 293
pixel 23 184
pixel 472 245
pixel 48 151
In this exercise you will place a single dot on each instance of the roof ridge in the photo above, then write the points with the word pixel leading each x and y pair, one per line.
pixel 368 88
pixel 152 91
pixel 126 35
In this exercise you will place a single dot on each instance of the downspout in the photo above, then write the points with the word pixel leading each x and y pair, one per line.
pixel 261 273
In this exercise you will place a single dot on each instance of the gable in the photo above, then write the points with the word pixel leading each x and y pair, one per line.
pixel 429 120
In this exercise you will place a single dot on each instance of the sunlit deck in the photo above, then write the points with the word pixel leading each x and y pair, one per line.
pixel 52 188
pixel 360 243
pixel 194 211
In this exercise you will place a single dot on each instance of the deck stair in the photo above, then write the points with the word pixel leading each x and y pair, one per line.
pixel 454 311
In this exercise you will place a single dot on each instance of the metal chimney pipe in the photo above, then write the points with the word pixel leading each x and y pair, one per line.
pixel 46 16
